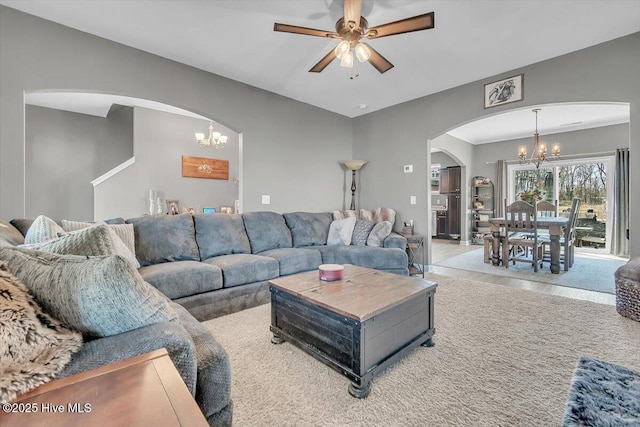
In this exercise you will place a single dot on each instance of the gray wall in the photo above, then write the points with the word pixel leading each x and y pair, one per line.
pixel 443 159
pixel 64 151
pixel 607 72
pixel 160 141
pixel 596 140
pixel 291 150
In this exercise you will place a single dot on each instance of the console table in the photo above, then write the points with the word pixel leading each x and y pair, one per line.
pixel 145 390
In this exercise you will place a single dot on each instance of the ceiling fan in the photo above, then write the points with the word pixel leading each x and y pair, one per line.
pixel 351 28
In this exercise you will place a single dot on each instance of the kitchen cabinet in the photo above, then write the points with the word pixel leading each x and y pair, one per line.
pixel 453 216
pixel 450 180
pixel 441 225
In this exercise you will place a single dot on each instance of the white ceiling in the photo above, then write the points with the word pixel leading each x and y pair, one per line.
pixel 471 40
pixel 556 118
pixel 97 104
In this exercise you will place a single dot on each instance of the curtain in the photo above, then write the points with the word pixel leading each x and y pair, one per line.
pixel 620 243
pixel 499 193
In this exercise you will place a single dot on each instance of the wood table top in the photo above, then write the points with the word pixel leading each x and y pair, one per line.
pixel 361 294
pixel 145 390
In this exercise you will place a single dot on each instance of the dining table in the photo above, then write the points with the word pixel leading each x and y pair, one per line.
pixel 555 225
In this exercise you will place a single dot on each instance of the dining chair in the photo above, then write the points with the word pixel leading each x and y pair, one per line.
pixel 521 231
pixel 567 240
pixel 547 209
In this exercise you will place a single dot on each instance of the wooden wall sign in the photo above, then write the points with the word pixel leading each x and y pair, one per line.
pixel 201 167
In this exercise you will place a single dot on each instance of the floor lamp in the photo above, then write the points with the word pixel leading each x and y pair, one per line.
pixel 353 166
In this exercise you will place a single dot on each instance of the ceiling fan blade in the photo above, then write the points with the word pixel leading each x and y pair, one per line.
pixel 322 64
pixel 378 61
pixel 415 23
pixel 352 10
pixel 285 28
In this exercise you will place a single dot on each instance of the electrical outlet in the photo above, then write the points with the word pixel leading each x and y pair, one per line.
pixel 408 168
pixel 266 199
pixel 413 200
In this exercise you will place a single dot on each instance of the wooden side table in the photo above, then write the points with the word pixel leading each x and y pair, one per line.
pixel 145 390
pixel 415 244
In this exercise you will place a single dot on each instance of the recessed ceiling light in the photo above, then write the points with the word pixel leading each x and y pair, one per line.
pixel 363 106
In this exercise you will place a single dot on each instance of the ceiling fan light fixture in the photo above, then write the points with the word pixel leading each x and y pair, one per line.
pixel 342 48
pixel 363 52
pixel 347 60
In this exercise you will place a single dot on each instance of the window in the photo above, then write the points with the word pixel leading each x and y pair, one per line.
pixel 590 179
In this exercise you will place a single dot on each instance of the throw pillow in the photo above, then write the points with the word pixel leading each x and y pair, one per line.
pixel 124 231
pixel 385 214
pixel 344 214
pixel 97 240
pixel 367 215
pixel 340 232
pixel 34 347
pixel 379 232
pixel 97 296
pixel 41 230
pixel 9 235
pixel 361 232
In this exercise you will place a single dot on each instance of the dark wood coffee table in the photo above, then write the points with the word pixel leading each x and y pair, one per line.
pixel 359 325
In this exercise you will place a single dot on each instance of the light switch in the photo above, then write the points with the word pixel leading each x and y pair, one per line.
pixel 408 168
pixel 413 200
pixel 266 199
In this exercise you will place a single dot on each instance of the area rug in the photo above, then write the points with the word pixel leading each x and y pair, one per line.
pixel 603 394
pixel 503 357
pixel 590 271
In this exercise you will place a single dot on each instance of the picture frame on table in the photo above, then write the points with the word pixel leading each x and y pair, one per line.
pixel 208 210
pixel 226 209
pixel 504 91
pixel 173 207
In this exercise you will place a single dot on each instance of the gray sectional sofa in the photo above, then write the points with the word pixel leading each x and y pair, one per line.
pixel 209 266
pixel 215 265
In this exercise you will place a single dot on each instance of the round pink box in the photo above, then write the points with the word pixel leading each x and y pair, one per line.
pixel 331 272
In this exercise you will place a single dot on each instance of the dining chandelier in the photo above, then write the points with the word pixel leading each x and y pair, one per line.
pixel 215 139
pixel 539 154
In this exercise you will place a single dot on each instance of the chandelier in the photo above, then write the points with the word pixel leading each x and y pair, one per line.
pixel 215 139
pixel 539 154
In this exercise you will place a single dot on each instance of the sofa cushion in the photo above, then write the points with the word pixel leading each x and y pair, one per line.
pixel 378 233
pixel 341 231
pixel 266 230
pixel 41 230
pixel 240 269
pixel 165 238
pixel 308 229
pixel 97 296
pixel 295 260
pixel 97 240
pixel 368 256
pixel 220 235
pixel 9 235
pixel 183 278
pixel 361 232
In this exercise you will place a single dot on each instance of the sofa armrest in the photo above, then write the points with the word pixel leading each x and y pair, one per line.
pixel 395 240
pixel 170 335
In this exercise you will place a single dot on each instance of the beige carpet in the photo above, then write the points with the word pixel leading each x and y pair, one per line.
pixel 503 357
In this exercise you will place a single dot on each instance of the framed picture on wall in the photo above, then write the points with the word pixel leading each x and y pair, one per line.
pixel 173 207
pixel 504 91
